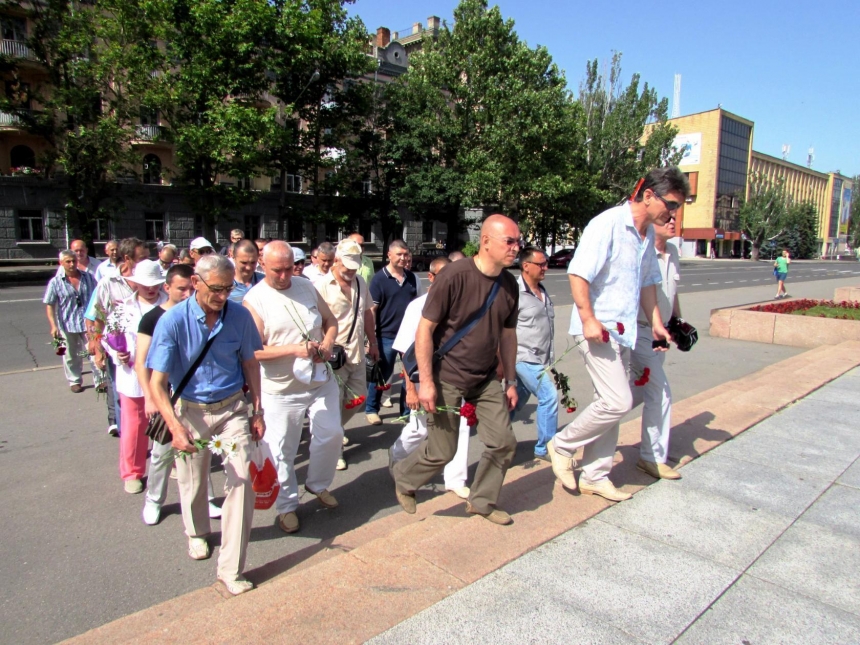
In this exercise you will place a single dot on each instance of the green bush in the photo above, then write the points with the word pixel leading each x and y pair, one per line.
pixel 470 249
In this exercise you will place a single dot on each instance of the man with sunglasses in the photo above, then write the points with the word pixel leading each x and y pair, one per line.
pixel 212 403
pixel 536 347
pixel 200 247
pixel 613 272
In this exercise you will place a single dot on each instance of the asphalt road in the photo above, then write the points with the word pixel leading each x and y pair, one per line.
pixel 75 553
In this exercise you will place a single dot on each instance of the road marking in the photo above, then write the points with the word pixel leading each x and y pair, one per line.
pixel 740 281
pixel 729 282
pixel 696 285
pixel 32 369
pixel 6 302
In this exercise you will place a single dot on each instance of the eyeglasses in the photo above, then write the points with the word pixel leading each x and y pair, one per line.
pixel 540 265
pixel 509 241
pixel 217 289
pixel 670 206
pixel 206 250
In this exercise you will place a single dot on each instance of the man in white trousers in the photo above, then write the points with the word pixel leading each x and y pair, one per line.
pixel 612 274
pixel 298 331
pixel 655 393
pixel 415 430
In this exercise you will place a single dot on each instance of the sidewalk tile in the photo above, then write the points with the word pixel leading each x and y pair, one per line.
pixel 837 511
pixel 503 609
pixel 754 611
pixel 712 526
pixel 817 562
pixel 787 455
pixel 818 423
pixel 753 485
pixel 851 477
pixel 639 585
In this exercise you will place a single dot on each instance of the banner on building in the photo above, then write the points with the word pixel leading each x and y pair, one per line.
pixel 845 219
pixel 691 146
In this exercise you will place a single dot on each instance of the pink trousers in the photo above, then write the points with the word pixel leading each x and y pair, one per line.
pixel 133 442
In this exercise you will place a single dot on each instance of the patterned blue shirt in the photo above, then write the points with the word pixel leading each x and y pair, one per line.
pixel 179 338
pixel 70 303
pixel 240 289
pixel 616 262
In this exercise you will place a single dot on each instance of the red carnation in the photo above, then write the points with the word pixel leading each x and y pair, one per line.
pixel 61 350
pixel 620 327
pixel 646 373
pixel 569 410
pixel 605 336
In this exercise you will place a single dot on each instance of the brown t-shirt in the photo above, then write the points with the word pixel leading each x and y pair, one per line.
pixel 457 294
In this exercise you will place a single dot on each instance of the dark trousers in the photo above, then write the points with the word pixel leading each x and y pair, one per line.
pixel 440 445
pixel 387 360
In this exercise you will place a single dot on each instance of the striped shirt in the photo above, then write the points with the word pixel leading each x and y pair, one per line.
pixel 70 302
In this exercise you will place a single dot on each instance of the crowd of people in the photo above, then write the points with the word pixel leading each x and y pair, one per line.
pixel 248 347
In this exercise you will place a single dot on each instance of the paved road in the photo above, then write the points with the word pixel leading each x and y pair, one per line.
pixel 75 551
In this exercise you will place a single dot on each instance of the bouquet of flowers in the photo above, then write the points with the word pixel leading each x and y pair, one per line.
pixel 114 334
pixel 224 448
pixel 59 345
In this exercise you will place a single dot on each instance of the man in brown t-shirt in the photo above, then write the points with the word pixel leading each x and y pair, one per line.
pixel 468 371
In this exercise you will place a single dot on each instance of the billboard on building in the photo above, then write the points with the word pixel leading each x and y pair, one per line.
pixel 845 218
pixel 691 146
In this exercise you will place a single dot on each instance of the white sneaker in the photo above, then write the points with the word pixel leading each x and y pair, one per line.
pixel 198 548
pixel 214 511
pixel 386 401
pixel 462 491
pixel 151 513
pixel 113 430
pixel 341 464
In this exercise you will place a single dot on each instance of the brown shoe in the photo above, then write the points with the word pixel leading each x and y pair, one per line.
pixel 407 502
pixel 605 489
pixel 496 516
pixel 325 498
pixel 658 471
pixel 288 522
pixel 76 388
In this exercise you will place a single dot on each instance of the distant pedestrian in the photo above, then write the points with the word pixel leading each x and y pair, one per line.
pixel 460 295
pixel 236 235
pixel 245 258
pixel 66 299
pixel 367 270
pixel 325 259
pixel 166 256
pixel 613 272
pixel 299 260
pixel 212 403
pixel 109 265
pixel 200 247
pixel 780 268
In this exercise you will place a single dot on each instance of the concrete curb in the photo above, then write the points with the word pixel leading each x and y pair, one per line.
pixel 364 582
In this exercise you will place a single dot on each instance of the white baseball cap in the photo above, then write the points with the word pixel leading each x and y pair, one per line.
pixel 200 243
pixel 298 254
pixel 147 273
pixel 349 253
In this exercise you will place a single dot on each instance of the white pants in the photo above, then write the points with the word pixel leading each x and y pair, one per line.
pixel 73 361
pixel 284 415
pixel 596 427
pixel 413 434
pixel 657 397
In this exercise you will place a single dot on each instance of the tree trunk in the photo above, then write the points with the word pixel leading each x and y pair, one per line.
pixel 755 252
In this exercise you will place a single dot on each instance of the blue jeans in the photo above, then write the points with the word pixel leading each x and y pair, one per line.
pixel 387 359
pixel 532 379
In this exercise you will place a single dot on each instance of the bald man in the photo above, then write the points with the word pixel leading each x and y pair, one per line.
pixel 468 370
pixel 298 331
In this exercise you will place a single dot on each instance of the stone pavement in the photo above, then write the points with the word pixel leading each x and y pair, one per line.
pixel 756 538
pixel 758 543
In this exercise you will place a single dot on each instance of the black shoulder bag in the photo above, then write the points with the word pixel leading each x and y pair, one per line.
pixel 338 352
pixel 409 360
pixel 157 429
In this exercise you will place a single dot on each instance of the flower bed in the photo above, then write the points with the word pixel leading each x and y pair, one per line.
pixel 798 322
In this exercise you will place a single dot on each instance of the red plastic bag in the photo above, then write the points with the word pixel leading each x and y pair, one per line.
pixel 264 479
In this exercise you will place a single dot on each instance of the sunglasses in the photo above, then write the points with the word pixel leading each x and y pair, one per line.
pixel 509 241
pixel 540 265
pixel 217 289
pixel 206 250
pixel 670 206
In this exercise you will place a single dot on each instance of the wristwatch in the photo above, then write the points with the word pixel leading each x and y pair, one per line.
pixel 256 413
pixel 510 383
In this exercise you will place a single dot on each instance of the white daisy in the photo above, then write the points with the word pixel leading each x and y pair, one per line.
pixel 217 445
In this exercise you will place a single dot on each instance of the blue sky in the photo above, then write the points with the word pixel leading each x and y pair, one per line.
pixel 788 66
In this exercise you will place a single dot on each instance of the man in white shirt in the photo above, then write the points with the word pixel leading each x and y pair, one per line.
pixel 325 260
pixel 298 331
pixel 110 266
pixel 612 274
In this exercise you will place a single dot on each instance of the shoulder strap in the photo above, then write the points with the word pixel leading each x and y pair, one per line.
pixel 197 361
pixel 355 311
pixel 456 338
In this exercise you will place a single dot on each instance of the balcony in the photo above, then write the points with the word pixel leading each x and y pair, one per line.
pixel 16 49
pixel 148 133
pixel 9 120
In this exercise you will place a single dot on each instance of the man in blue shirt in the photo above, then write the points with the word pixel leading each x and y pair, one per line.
pixel 212 403
pixel 613 272
pixel 392 289
pixel 245 256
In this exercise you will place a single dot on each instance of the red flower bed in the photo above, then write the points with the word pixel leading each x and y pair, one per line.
pixel 791 306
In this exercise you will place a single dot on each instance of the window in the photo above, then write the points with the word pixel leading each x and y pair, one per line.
pixel 102 230
pixel 32 226
pixel 18 94
pixel 366 187
pixel 151 169
pixel 294 183
pixel 252 227
pixel 198 226
pixel 22 157
pixel 154 226
pixel 244 183
pixel 13 28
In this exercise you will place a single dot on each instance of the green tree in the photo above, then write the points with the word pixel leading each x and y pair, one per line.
pixel 854 225
pixel 763 214
pixel 800 235
pixel 95 64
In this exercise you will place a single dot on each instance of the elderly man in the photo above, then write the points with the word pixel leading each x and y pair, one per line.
pixel 613 272
pixel 479 291
pixel 392 289
pixel 346 294
pixel 245 257
pixel 536 347
pixel 236 235
pixel 212 403
pixel 367 270
pixel 86 262
pixel 298 332
pixel 165 258
pixel 66 299
pixel 199 248
pixel 111 291
pixel 325 259
pixel 655 393
pixel 110 265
